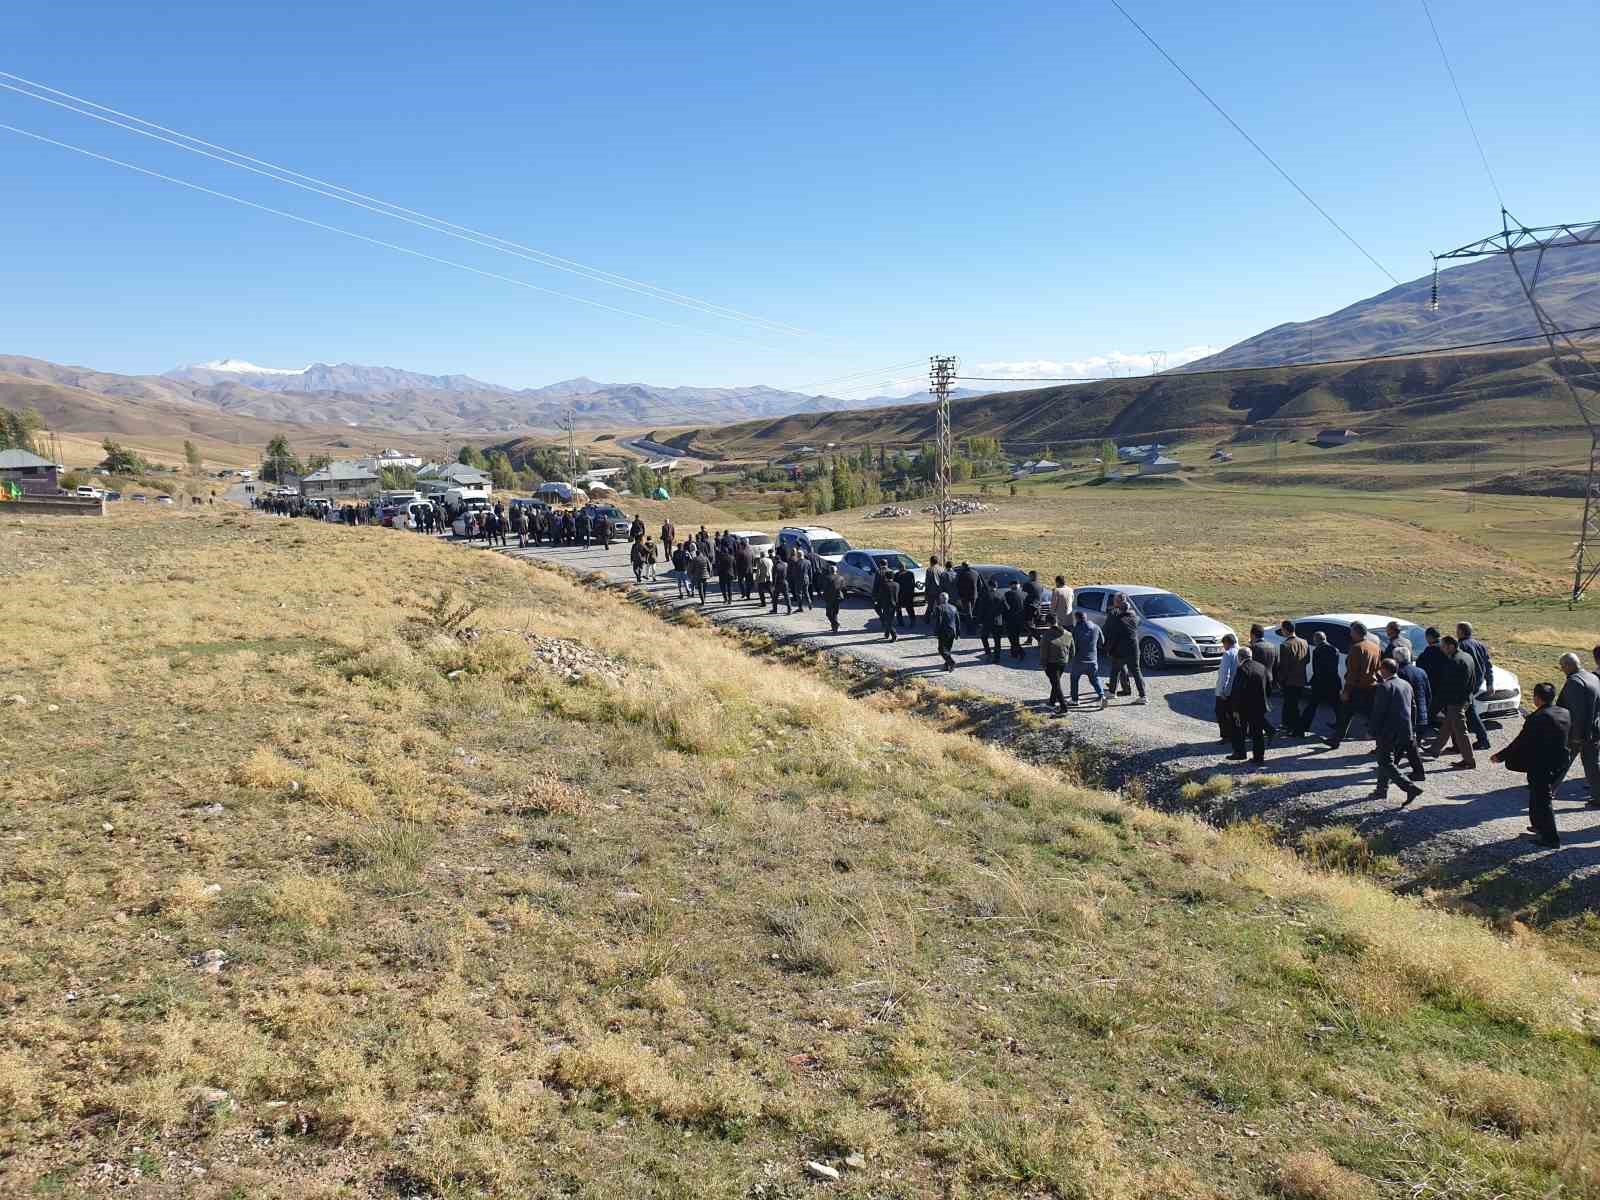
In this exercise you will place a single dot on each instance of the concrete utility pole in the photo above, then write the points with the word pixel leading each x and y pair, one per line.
pixel 1578 374
pixel 569 424
pixel 941 373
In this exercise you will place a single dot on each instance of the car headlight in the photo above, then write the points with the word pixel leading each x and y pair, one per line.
pixel 1181 639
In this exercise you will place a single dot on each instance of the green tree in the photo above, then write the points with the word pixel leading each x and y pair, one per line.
pixel 318 461
pixel 501 472
pixel 845 485
pixel 395 479
pixel 471 456
pixel 119 460
pixel 71 481
pixel 278 458
pixel 1108 456
pixel 719 491
pixel 641 480
pixel 688 487
pixel 191 455
pixel 18 428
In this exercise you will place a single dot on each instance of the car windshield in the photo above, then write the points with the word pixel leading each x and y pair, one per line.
pixel 1415 638
pixel 758 539
pixel 831 546
pixel 1164 604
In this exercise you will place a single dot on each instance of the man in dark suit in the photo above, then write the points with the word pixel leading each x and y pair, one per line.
pixel 1265 653
pixel 1540 750
pixel 1453 694
pixel 1015 612
pixel 1292 673
pixel 906 579
pixel 1249 697
pixel 1580 696
pixel 1392 722
pixel 886 599
pixel 1469 644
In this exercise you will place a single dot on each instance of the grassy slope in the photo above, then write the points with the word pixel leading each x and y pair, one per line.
pixel 1498 391
pixel 493 932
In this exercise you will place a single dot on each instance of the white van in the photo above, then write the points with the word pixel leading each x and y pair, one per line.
pixel 827 544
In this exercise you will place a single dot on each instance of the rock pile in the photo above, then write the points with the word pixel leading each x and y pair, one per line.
pixel 887 512
pixel 574 661
pixel 959 508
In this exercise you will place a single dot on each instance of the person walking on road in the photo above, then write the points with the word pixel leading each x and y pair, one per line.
pixel 1122 644
pixel 886 599
pixel 1061 602
pixel 1457 681
pixel 1435 664
pixel 946 624
pixel 1227 670
pixel 636 558
pixel 780 583
pixel 1014 612
pixel 1265 653
pixel 699 569
pixel 1480 655
pixel 1251 680
pixel 1540 751
pixel 906 582
pixel 1580 696
pixel 744 566
pixel 930 588
pixel 1360 682
pixel 1393 727
pixel 967 591
pixel 1055 655
pixel 724 564
pixel 1421 688
pixel 832 595
pixel 636 530
pixel 1032 598
pixel 990 613
pixel 1086 642
pixel 650 557
pixel 763 575
pixel 1293 672
pixel 800 582
pixel 669 536
pixel 680 570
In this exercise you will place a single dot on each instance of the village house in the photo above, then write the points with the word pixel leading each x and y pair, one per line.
pixel 342 481
pixel 34 475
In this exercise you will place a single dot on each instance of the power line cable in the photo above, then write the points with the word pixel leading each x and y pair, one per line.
pixel 372 241
pixel 1239 129
pixel 334 191
pixel 1180 373
pixel 1462 100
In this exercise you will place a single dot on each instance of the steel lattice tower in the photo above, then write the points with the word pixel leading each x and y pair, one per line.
pixel 941 373
pixel 1516 238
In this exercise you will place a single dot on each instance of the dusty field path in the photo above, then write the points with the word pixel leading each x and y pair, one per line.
pixel 1467 823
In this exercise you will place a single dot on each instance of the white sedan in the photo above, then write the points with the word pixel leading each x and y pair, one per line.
pixel 1503 700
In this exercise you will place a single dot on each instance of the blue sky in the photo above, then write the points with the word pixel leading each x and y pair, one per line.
pixel 1023 184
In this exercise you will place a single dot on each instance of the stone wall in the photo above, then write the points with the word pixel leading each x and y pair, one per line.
pixel 57 506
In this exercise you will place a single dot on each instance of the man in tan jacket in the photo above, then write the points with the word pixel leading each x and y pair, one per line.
pixel 1360 682
pixel 1292 673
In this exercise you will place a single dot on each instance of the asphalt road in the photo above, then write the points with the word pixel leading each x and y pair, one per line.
pixel 1466 822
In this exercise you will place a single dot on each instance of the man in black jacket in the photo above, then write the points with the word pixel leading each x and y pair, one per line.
pixel 990 615
pixel 780 582
pixel 1014 612
pixel 930 588
pixel 966 590
pixel 886 599
pixel 906 581
pixel 832 594
pixel 1580 696
pixel 1122 645
pixel 724 564
pixel 1249 699
pixel 1433 662
pixel 744 566
pixel 1540 751
pixel 1265 653
pixel 800 582
pixel 1480 655
pixel 1392 728
pixel 1453 695
pixel 1325 683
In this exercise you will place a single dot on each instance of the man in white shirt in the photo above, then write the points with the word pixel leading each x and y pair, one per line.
pixel 1227 668
pixel 1061 602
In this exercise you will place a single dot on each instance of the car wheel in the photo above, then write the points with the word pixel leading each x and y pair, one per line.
pixel 1151 655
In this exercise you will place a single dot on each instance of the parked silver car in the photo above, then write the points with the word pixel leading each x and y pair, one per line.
pixel 856 569
pixel 1171 630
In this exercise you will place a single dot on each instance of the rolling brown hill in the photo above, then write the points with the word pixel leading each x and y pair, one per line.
pixel 1463 394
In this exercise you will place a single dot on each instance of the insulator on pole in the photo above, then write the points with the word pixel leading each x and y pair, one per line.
pixel 1433 300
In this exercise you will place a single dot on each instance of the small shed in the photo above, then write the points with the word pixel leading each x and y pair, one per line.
pixel 1159 465
pixel 35 476
pixel 342 481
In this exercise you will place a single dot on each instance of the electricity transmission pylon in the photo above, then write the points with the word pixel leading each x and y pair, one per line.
pixel 1516 239
pixel 941 373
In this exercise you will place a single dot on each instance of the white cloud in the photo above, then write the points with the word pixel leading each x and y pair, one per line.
pixel 1098 366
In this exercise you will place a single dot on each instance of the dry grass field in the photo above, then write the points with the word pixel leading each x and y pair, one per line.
pixel 317 884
